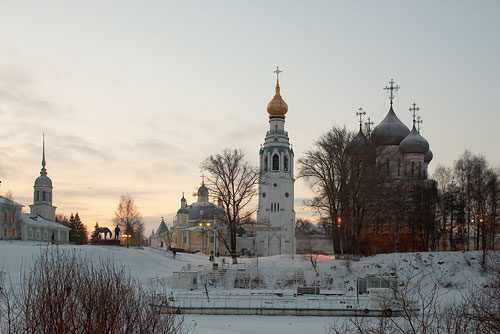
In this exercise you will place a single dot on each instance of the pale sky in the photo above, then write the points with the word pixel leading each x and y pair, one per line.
pixel 134 95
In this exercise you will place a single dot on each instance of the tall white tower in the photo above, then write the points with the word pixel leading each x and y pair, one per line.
pixel 276 214
pixel 42 195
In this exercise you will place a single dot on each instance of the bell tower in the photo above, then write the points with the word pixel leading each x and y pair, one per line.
pixel 276 214
pixel 42 195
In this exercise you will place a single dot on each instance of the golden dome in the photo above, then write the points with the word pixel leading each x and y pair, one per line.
pixel 277 107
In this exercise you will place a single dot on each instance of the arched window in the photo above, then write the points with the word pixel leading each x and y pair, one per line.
pixel 412 168
pixel 399 166
pixel 276 162
pixel 44 196
pixel 419 168
pixel 5 216
pixel 388 170
pixel 37 195
pixel 266 162
pixel 285 163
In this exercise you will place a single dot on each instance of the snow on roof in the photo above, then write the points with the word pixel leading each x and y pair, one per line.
pixel 7 201
pixel 38 221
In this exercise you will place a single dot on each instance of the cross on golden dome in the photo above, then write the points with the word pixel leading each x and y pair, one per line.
pixel 278 71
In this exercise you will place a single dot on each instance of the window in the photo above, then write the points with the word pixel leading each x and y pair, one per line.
pixel 12 217
pixel 5 231
pixel 45 235
pixel 37 195
pixel 5 216
pixel 44 196
pixel 276 162
pixel 38 235
pixel 399 167
pixel 419 168
pixel 50 196
pixel 285 163
pixel 412 168
pixel 12 232
pixel 31 234
pixel 266 162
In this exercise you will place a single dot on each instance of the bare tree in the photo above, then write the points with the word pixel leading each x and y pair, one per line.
pixel 325 167
pixel 232 180
pixel 128 217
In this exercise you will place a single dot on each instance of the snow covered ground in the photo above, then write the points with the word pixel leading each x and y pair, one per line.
pixel 456 271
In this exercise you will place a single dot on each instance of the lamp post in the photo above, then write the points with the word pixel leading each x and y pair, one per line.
pixel 339 223
pixel 127 236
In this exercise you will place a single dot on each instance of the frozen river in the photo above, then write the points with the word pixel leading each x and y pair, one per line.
pixel 216 324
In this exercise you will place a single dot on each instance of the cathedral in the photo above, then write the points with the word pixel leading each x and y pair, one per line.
pixel 275 231
pixel 39 224
pixel 401 218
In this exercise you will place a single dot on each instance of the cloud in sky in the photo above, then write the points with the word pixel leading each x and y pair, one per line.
pixel 133 96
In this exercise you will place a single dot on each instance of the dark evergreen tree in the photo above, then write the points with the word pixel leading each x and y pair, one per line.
pixel 79 231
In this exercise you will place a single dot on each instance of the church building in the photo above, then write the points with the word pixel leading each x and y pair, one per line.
pixel 275 231
pixel 39 224
pixel 196 227
pixel 402 217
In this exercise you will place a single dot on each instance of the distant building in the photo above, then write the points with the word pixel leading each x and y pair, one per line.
pixel 196 227
pixel 40 223
pixel 162 237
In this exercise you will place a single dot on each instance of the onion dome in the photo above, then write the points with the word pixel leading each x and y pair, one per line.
pixel 277 107
pixel 414 143
pixel 360 146
pixel 428 156
pixel 391 131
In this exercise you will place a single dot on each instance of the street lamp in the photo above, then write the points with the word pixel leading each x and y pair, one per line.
pixel 339 223
pixel 127 236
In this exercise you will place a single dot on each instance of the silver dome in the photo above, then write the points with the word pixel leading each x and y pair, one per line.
pixel 414 143
pixel 204 210
pixel 391 131
pixel 428 156
pixel 43 181
pixel 360 145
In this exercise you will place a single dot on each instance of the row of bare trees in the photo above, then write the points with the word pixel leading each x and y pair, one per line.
pixel 469 203
pixel 63 292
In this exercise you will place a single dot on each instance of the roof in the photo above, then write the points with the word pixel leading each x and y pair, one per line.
pixel 162 228
pixel 391 131
pixel 204 211
pixel 39 221
pixel 6 201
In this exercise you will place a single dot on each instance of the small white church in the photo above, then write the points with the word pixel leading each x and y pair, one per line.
pixel 39 224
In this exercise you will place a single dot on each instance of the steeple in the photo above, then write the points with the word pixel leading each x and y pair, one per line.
pixel 43 172
pixel 42 195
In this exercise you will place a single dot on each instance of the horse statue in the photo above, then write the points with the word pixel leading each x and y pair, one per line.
pixel 104 230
